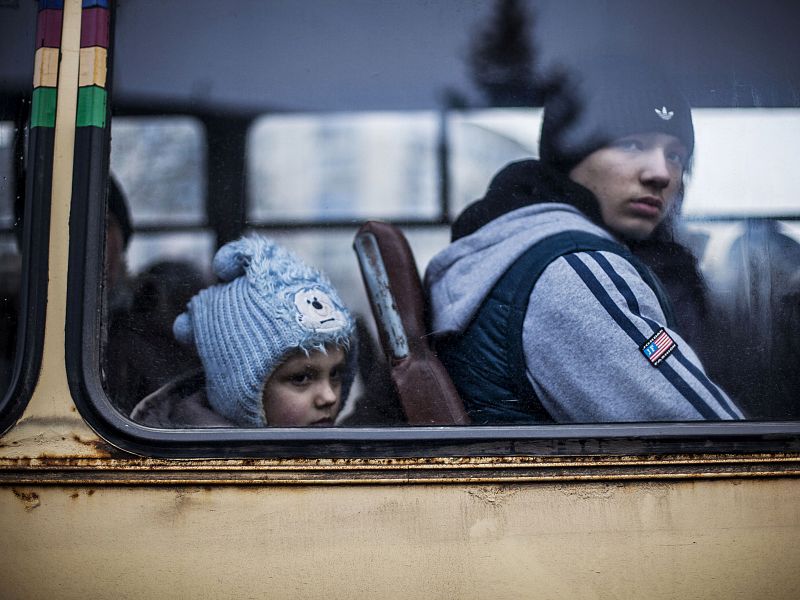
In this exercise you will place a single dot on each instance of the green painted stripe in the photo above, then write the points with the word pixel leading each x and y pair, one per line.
pixel 91 107
pixel 43 107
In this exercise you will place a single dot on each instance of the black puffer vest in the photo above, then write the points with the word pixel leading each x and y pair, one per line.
pixel 487 361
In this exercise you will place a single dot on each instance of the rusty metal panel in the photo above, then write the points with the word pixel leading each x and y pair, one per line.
pixel 712 539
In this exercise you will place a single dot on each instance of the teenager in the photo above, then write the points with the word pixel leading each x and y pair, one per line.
pixel 540 311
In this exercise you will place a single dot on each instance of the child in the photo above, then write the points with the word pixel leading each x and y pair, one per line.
pixel 275 342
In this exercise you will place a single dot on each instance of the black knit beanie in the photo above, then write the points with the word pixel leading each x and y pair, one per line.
pixel 606 100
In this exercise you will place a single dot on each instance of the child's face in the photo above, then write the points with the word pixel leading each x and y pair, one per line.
pixel 305 390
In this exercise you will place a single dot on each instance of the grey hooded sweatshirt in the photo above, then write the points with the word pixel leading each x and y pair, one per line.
pixel 579 333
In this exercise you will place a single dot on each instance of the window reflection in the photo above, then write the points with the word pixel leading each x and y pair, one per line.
pixel 157 252
pixel 10 260
pixel 482 139
pixel 411 123
pixel 160 163
pixel 320 167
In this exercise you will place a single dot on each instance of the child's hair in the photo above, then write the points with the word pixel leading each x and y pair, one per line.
pixel 269 303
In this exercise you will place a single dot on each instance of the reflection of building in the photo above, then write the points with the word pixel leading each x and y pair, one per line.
pixel 378 165
pixel 159 163
pixel 340 166
pixel 744 163
pixel 6 175
pixel 482 142
pixel 350 167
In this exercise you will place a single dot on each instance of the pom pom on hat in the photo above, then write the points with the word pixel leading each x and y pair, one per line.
pixel 182 329
pixel 269 304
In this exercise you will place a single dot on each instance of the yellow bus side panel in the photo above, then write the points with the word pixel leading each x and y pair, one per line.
pixel 689 539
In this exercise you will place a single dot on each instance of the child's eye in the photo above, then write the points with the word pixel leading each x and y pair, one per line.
pixel 336 373
pixel 299 379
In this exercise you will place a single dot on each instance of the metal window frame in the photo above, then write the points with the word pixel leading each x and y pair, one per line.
pixel 85 280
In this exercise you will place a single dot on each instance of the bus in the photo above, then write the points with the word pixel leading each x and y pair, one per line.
pixel 136 138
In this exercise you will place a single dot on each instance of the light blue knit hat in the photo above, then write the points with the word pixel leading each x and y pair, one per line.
pixel 269 304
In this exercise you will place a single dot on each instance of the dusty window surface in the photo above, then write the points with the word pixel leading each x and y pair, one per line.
pixel 10 262
pixel 297 123
pixel 483 138
pixel 332 166
pixel 160 161
pixel 157 190
pixel 7 178
pixel 17 23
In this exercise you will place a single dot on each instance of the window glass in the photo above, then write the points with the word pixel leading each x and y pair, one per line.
pixel 302 121
pixel 482 139
pixel 6 175
pixel 160 163
pixel 17 39
pixel 9 257
pixel 732 146
pixel 334 167
pixel 157 251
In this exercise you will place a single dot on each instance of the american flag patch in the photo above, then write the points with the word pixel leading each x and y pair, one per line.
pixel 658 347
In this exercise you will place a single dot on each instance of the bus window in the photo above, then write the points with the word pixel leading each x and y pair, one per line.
pixel 301 122
pixel 157 166
pixel 10 260
pixel 741 228
pixel 744 231
pixel 480 139
pixel 20 150
pixel 328 167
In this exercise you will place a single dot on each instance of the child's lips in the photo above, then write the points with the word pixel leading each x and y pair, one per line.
pixel 325 422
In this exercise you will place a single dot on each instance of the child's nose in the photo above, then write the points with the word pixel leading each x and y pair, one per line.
pixel 326 394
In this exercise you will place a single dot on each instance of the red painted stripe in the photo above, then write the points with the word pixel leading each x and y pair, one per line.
pixel 48 28
pixel 94 27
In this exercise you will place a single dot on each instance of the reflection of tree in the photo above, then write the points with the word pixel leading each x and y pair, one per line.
pixel 502 58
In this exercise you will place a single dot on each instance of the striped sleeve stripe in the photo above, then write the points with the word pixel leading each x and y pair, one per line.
pixel 633 332
pixel 624 289
pixel 726 404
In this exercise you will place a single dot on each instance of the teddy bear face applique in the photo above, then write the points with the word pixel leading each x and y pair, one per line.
pixel 317 311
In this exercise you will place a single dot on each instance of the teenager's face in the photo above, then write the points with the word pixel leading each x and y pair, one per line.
pixel 305 390
pixel 636 179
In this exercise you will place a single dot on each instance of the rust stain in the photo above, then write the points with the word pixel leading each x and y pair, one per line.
pixel 75 495
pixel 184 500
pixel 493 495
pixel 90 493
pixel 591 491
pixel 489 480
pixel 101 448
pixel 30 500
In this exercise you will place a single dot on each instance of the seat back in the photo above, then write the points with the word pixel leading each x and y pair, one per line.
pixel 393 285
